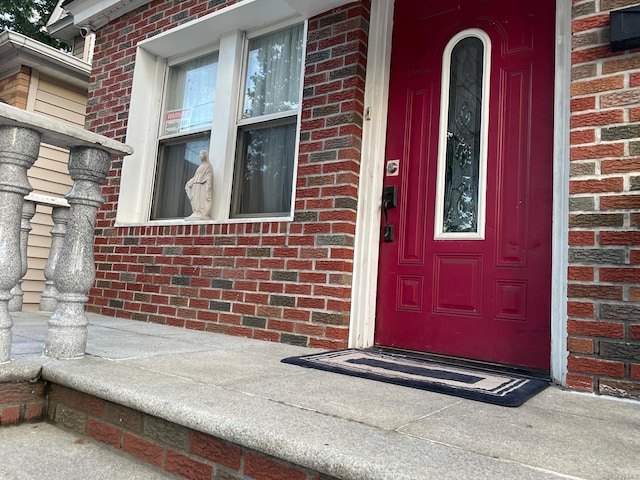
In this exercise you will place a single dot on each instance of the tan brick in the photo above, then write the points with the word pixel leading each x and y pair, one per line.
pixel 626 97
pixel 628 62
pixel 580 345
pixel 596 86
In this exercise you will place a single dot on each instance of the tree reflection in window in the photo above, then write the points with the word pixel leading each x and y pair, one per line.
pixel 273 73
pixel 263 177
pixel 463 137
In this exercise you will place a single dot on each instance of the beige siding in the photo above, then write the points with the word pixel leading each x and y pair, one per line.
pixel 49 176
pixel 38 252
pixel 78 47
pixel 65 103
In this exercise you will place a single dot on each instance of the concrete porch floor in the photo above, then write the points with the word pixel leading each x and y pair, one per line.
pixel 236 389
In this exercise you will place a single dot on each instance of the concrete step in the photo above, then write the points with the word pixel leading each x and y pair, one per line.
pixel 216 407
pixel 36 451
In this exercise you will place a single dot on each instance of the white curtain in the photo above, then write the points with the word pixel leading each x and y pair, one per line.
pixel 266 171
pixel 273 73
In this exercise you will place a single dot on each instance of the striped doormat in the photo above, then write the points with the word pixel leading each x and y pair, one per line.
pixel 474 384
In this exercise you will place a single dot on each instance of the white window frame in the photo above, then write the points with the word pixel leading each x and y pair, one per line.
pixel 439 234
pixel 154 56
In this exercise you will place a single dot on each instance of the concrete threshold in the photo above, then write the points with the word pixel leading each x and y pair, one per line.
pixel 236 390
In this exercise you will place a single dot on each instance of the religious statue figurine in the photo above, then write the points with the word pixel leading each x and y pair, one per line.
pixel 200 189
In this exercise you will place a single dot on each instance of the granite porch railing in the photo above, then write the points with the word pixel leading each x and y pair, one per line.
pixel 21 133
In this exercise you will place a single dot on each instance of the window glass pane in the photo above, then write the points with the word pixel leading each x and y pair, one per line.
pixel 273 73
pixel 463 137
pixel 264 170
pixel 177 163
pixel 191 92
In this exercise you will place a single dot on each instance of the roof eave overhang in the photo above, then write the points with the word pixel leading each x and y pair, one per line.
pixel 44 58
pixel 95 14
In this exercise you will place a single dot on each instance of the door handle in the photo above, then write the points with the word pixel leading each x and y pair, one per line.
pixel 389 200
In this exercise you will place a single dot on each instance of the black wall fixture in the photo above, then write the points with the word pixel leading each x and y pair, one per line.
pixel 625 28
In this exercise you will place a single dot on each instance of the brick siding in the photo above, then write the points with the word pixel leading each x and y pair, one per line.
pixel 21 402
pixel 286 282
pixel 604 242
pixel 291 281
pixel 171 447
pixel 14 89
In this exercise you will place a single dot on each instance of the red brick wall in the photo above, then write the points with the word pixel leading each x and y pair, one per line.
pixel 21 402
pixel 281 281
pixel 168 446
pixel 604 241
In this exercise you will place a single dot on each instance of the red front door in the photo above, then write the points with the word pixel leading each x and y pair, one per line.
pixel 468 272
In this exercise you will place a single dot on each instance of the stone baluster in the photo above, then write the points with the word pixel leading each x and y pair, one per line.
pixel 75 272
pixel 28 211
pixel 19 147
pixel 60 216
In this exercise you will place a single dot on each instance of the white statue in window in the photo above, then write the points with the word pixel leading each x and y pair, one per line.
pixel 200 189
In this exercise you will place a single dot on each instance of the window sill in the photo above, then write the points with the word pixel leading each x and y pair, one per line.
pixel 180 221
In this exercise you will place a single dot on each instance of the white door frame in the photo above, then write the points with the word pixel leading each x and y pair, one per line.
pixel 365 273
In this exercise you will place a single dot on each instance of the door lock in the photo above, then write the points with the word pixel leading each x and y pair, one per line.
pixel 389 200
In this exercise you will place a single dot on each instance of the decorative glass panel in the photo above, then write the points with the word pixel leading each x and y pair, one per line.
pixel 273 73
pixel 191 91
pixel 464 132
pixel 264 169
pixel 178 161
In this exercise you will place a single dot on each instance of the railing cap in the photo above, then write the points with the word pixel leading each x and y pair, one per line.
pixel 60 134
pixel 49 200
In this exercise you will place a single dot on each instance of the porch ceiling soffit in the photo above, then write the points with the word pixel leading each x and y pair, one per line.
pixel 17 50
